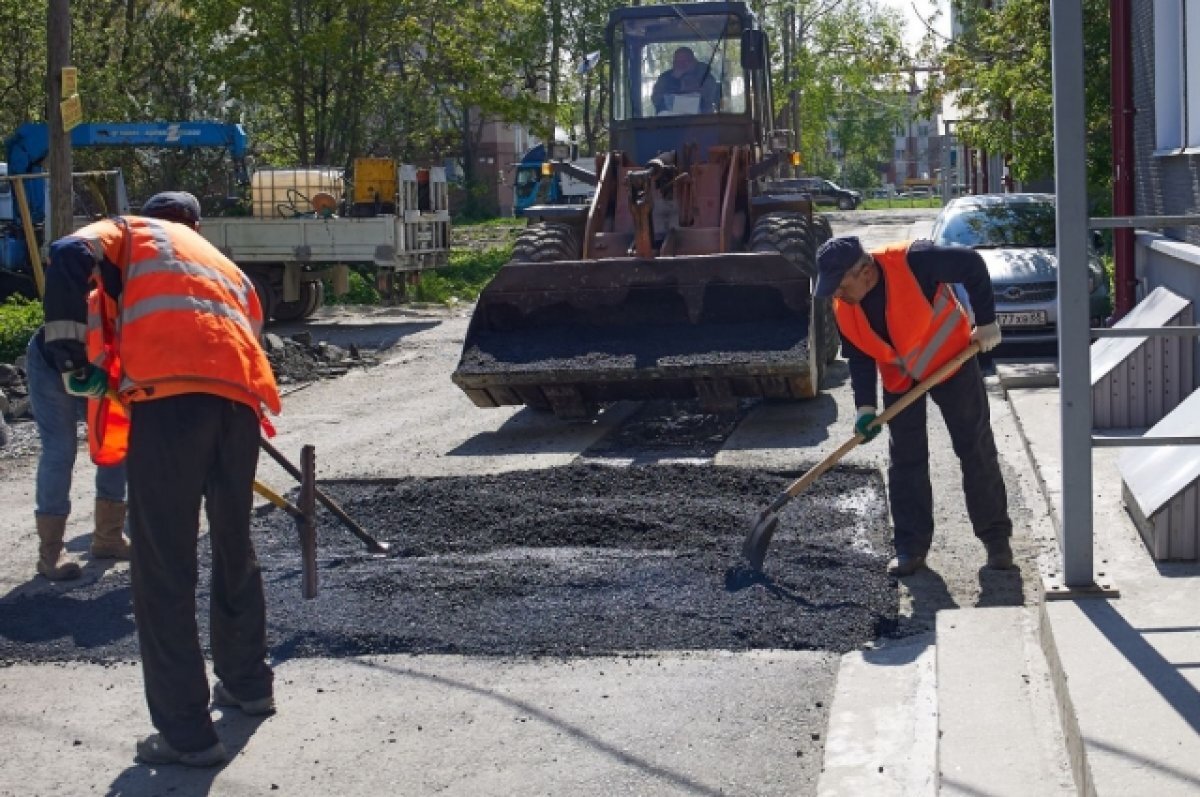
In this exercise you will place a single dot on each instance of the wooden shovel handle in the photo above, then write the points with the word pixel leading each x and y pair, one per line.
pixel 901 404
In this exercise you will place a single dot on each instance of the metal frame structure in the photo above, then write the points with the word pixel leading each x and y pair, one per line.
pixel 1073 229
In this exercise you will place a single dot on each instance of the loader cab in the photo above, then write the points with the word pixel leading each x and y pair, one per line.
pixel 687 73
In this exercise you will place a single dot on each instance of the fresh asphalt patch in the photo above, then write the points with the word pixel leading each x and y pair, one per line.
pixel 582 560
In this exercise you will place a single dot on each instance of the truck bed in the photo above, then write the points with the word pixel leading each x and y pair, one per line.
pixel 412 242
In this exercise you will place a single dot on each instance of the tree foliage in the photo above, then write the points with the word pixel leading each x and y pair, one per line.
pixel 325 81
pixel 844 63
pixel 999 71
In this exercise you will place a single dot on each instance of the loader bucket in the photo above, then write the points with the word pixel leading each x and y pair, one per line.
pixel 569 335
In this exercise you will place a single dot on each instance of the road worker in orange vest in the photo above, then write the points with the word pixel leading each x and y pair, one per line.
pixel 896 310
pixel 169 354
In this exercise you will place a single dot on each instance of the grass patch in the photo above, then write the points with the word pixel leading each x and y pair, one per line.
pixel 19 319
pixel 464 278
pixel 901 202
pixel 361 290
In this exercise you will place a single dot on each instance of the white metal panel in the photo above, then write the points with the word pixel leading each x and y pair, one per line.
pixel 1184 535
pixel 347 240
pixel 1156 474
pixel 1136 381
pixel 1158 309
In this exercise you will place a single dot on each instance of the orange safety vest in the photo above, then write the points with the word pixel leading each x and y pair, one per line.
pixel 188 321
pixel 924 336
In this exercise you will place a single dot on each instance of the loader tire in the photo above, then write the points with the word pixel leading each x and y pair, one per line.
pixel 827 329
pixel 824 228
pixel 795 237
pixel 789 234
pixel 825 306
pixel 546 243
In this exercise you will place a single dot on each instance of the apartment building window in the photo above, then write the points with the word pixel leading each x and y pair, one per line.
pixel 1176 74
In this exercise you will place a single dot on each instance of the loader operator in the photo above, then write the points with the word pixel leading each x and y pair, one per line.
pixel 686 76
pixel 170 357
pixel 898 317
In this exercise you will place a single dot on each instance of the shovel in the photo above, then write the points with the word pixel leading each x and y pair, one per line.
pixel 306 529
pixel 754 549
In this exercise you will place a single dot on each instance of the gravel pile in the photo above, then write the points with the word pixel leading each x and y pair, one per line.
pixel 565 348
pixel 298 358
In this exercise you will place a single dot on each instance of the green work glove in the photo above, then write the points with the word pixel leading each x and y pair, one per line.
pixel 88 381
pixel 862 424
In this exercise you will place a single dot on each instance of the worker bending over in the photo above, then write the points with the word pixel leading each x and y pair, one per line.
pixel 174 331
pixel 898 317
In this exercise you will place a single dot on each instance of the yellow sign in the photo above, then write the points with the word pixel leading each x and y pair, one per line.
pixel 70 81
pixel 72 112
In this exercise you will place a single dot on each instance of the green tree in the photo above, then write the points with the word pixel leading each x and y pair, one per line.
pixel 1000 69
pixel 846 65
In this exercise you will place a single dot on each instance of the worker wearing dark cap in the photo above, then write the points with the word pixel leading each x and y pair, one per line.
pixel 899 319
pixel 167 351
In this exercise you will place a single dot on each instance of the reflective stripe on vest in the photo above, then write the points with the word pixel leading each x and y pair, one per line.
pixel 924 336
pixel 188 319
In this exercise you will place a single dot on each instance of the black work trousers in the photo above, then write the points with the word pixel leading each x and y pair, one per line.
pixel 962 400
pixel 183 449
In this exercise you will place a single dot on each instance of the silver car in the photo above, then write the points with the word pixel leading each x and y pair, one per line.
pixel 1014 233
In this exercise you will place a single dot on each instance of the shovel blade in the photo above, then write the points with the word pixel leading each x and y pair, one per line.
pixel 754 548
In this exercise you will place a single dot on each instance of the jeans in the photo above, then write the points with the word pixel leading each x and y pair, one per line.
pixel 57 412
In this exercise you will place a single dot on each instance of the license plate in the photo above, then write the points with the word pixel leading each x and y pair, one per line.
pixel 1031 318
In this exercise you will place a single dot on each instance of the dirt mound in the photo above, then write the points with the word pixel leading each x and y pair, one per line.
pixel 298 358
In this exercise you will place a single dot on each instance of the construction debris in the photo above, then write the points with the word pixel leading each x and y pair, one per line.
pixel 296 360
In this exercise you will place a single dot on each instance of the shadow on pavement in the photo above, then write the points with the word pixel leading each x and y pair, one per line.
pixel 1000 588
pixel 235 730
pixel 379 336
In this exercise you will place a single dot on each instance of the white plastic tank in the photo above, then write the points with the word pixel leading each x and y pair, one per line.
pixel 287 193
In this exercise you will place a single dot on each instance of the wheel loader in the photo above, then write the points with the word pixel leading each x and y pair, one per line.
pixel 685 277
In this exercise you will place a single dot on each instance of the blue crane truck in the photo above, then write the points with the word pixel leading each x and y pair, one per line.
pixel 561 187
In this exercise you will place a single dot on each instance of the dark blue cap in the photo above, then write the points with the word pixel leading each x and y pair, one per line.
pixel 177 206
pixel 835 257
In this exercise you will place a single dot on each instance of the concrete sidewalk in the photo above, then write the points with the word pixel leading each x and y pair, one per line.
pixel 1126 670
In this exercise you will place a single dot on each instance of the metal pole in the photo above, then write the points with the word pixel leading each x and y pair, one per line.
pixel 1123 155
pixel 31 244
pixel 59 162
pixel 1070 180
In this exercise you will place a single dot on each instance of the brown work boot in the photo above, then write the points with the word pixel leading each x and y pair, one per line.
pixel 107 540
pixel 52 562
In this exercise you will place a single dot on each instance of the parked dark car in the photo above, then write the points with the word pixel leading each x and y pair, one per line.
pixel 822 191
pixel 1014 233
